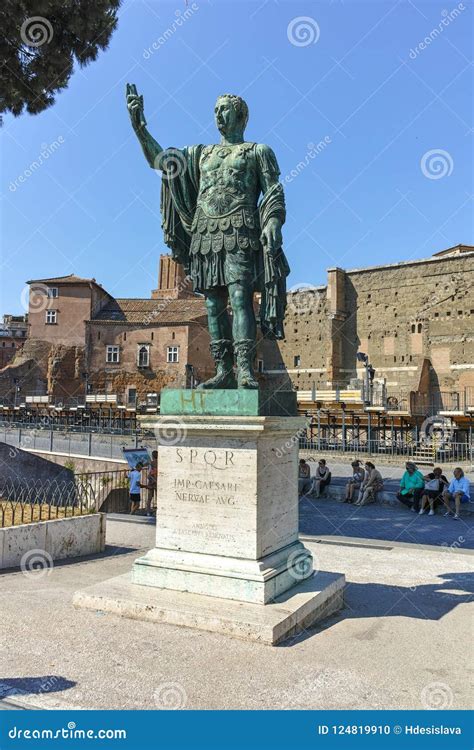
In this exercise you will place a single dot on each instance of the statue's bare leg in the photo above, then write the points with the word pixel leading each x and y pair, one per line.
pixel 221 340
pixel 244 331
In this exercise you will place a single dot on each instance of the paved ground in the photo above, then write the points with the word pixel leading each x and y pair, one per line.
pixel 332 518
pixel 402 641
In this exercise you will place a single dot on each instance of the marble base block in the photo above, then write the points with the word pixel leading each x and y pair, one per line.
pixel 307 603
pixel 259 581
pixel 227 507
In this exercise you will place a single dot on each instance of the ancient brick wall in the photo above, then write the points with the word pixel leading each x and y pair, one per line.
pixel 402 316
pixel 303 354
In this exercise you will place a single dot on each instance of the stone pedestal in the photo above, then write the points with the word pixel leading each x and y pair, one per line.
pixel 227 508
pixel 227 555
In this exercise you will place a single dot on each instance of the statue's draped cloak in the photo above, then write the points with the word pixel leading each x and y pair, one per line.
pixel 179 193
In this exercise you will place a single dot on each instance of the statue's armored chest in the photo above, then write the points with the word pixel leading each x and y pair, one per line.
pixel 228 176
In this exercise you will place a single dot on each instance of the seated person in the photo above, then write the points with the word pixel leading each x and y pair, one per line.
pixel 304 477
pixel 322 478
pixel 372 484
pixel 435 484
pixel 411 487
pixel 354 483
pixel 458 490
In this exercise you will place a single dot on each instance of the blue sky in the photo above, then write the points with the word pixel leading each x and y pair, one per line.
pixel 349 74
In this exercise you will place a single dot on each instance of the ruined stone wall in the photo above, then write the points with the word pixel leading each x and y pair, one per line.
pixel 401 315
pixel 41 367
pixel 303 354
pixel 406 317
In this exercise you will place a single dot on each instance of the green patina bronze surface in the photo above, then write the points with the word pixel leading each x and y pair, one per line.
pixel 240 402
pixel 222 210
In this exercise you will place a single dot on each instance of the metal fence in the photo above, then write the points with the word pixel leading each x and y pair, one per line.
pixel 462 452
pixel 97 444
pixel 27 501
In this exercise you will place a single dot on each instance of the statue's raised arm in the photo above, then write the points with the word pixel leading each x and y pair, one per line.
pixel 151 148
pixel 227 238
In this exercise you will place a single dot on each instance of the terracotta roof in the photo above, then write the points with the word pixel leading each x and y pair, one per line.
pixel 152 311
pixel 69 279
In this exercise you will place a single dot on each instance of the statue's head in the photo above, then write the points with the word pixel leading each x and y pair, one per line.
pixel 231 113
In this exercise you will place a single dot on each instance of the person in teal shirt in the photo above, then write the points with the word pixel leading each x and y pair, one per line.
pixel 412 485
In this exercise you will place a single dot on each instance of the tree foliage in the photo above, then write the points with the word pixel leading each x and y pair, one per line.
pixel 39 43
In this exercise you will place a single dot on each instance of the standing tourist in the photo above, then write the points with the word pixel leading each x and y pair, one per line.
pixel 152 480
pixel 134 479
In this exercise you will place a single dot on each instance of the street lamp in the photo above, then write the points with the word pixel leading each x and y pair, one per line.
pixel 17 390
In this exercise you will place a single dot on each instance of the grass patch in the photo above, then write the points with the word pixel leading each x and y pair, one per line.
pixel 16 514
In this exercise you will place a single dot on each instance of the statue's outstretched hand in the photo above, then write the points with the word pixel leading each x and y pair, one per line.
pixel 135 107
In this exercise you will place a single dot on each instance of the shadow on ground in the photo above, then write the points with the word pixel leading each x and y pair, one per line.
pixel 50 683
pixel 325 517
pixel 374 600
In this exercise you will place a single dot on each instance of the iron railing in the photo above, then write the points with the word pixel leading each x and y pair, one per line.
pixel 462 452
pixel 26 501
pixel 98 443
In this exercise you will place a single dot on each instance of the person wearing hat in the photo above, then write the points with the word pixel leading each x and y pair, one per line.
pixel 412 485
pixel 355 482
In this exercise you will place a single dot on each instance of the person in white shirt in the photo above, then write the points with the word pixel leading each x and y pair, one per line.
pixel 459 491
pixel 355 482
